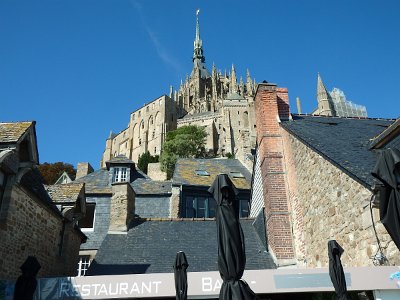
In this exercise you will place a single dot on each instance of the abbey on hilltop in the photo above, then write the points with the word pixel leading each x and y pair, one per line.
pixel 220 103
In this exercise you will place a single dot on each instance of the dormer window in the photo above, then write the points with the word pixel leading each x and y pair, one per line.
pixel 119 175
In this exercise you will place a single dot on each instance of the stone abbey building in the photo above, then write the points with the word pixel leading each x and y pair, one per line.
pixel 220 103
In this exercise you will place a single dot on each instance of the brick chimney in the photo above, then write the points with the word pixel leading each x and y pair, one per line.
pixel 272 106
pixel 83 169
pixel 122 206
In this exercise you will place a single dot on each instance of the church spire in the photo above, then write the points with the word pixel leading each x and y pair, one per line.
pixel 198 44
pixel 325 105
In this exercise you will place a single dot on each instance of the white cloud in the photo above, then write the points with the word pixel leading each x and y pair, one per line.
pixel 166 57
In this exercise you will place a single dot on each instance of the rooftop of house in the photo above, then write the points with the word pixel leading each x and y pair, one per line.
pixel 139 250
pixel 33 182
pixel 62 193
pixel 202 172
pixel 343 141
pixel 11 132
pixel 98 183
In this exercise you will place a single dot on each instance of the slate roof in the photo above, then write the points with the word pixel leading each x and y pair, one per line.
pixel 185 172
pixel 33 182
pixel 343 141
pixel 389 138
pixel 151 247
pixel 65 193
pixel 12 132
pixel 120 159
pixel 98 183
pixel 143 186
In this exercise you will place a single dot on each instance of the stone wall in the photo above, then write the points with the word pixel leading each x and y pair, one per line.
pixel 155 173
pixel 327 204
pixel 31 228
pixel 175 202
pixel 145 132
pixel 122 206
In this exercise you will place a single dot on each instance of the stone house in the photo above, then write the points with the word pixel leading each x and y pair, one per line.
pixel 312 181
pixel 135 217
pixel 30 222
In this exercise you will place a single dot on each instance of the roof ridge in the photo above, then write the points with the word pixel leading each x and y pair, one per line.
pixel 336 117
pixel 181 219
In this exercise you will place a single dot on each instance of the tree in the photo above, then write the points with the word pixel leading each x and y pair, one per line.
pixel 186 141
pixel 52 171
pixel 144 160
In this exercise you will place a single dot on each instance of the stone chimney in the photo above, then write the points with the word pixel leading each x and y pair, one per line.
pixel 83 169
pixel 272 106
pixel 122 208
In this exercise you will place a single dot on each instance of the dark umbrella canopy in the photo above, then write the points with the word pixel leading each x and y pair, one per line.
pixel 387 170
pixel 26 283
pixel 231 248
pixel 336 270
pixel 181 284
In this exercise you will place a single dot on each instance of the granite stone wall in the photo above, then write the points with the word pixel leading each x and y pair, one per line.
pixel 31 228
pixel 327 204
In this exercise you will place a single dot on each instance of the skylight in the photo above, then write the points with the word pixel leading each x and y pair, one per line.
pixel 237 175
pixel 202 173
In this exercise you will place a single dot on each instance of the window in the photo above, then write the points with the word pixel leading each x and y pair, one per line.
pixel 147 108
pixel 87 223
pixel 133 116
pixel 199 207
pixel 155 150
pixel 202 173
pixel 119 175
pixel 139 113
pixel 243 208
pixel 83 265
pixel 204 206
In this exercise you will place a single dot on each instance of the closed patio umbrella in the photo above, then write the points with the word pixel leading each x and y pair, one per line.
pixel 26 283
pixel 336 270
pixel 231 248
pixel 387 170
pixel 181 284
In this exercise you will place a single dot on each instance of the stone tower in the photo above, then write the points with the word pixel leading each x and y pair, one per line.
pixel 325 103
pixel 219 103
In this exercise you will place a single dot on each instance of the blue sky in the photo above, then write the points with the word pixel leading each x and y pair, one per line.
pixel 79 67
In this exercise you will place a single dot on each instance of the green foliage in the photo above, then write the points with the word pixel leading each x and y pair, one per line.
pixel 52 171
pixel 230 155
pixel 187 142
pixel 144 160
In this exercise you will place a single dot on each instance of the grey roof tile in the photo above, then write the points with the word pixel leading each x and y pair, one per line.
pixel 68 192
pixel 343 141
pixel 98 183
pixel 12 132
pixel 151 246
